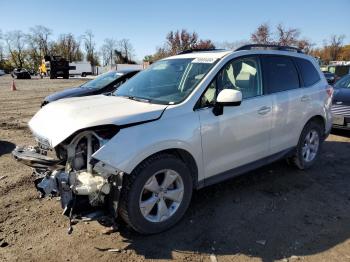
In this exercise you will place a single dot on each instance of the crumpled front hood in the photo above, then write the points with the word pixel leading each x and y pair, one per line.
pixel 58 120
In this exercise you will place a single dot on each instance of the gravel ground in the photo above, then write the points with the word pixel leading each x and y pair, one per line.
pixel 273 213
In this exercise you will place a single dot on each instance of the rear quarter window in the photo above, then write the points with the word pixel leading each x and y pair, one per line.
pixel 280 74
pixel 308 72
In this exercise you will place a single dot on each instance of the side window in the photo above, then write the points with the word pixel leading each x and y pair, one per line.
pixel 118 84
pixel 343 82
pixel 308 72
pixel 209 96
pixel 243 74
pixel 280 74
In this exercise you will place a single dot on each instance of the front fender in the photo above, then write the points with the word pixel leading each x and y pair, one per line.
pixel 132 145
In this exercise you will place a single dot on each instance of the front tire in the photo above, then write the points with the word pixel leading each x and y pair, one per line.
pixel 309 145
pixel 156 195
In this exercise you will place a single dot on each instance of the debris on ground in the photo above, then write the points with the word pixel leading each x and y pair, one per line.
pixel 3 244
pixel 117 250
pixel 213 258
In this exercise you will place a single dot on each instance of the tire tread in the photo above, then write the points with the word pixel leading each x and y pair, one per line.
pixel 128 181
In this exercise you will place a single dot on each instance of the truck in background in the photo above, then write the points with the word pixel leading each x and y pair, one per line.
pixel 80 69
pixel 56 66
pixel 338 68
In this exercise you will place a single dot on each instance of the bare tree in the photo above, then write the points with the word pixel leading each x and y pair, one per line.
pixel 68 47
pixel 2 55
pixel 262 35
pixel 305 45
pixel 126 48
pixel 1 48
pixel 182 40
pixel 287 36
pixel 39 36
pixel 107 50
pixel 38 41
pixel 335 46
pixel 90 45
pixel 282 36
pixel 16 44
pixel 160 53
pixel 177 41
pixel 204 44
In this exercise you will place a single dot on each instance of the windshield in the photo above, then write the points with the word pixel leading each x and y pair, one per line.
pixel 102 80
pixel 167 81
pixel 343 82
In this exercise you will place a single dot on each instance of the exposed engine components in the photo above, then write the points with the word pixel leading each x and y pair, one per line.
pixel 83 184
pixel 80 149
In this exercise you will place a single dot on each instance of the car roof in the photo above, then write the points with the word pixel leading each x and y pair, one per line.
pixel 219 53
pixel 214 54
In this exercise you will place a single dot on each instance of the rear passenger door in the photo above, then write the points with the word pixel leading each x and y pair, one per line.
pixel 313 91
pixel 282 83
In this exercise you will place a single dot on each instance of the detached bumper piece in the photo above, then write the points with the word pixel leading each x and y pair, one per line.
pixel 34 157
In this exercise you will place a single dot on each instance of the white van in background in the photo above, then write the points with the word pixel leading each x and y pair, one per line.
pixel 80 69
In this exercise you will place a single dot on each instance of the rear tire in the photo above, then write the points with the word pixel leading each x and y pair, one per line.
pixel 147 210
pixel 309 145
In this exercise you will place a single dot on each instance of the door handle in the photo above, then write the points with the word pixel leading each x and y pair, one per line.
pixel 264 110
pixel 305 98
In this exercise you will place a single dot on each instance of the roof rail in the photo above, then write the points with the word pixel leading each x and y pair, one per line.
pixel 273 47
pixel 198 50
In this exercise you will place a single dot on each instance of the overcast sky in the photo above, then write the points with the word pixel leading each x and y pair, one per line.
pixel 146 23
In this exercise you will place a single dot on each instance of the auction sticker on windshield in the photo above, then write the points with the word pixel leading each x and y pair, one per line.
pixel 208 60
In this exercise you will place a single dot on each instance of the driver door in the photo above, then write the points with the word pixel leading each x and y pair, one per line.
pixel 240 135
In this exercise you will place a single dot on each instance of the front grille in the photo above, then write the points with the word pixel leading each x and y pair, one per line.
pixel 343 110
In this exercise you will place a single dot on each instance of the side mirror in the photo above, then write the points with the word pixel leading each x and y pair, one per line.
pixel 227 97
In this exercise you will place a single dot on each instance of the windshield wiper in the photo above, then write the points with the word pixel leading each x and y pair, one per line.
pixel 140 99
pixel 145 100
pixel 135 98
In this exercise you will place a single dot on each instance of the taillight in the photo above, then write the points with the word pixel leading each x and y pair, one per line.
pixel 329 90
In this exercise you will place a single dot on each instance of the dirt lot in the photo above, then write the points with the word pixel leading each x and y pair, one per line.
pixel 274 213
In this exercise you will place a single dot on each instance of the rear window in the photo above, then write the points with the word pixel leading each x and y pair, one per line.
pixel 280 74
pixel 308 72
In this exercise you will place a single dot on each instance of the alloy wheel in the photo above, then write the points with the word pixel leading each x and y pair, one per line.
pixel 310 146
pixel 161 196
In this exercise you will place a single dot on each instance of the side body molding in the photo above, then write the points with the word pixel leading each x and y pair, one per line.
pixel 131 145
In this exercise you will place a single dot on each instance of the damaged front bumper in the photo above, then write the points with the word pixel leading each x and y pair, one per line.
pixel 83 193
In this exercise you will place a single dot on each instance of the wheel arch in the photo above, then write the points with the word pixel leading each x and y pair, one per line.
pixel 184 156
pixel 320 120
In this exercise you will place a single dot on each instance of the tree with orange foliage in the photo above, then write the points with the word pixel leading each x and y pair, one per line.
pixel 177 41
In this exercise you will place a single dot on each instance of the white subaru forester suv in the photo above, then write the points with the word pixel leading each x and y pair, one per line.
pixel 186 122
